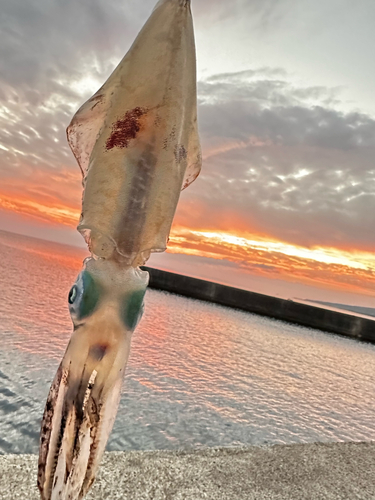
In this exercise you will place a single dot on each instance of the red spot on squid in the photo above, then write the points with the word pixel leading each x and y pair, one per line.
pixel 126 129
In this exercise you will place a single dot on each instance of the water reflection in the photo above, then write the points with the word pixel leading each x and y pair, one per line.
pixel 198 375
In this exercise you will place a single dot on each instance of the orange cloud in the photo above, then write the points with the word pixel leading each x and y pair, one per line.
pixel 333 268
pixel 52 197
pixel 56 213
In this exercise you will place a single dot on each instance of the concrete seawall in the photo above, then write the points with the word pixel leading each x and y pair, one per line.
pixel 337 471
pixel 286 310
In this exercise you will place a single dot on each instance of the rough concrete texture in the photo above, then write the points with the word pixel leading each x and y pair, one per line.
pixel 344 471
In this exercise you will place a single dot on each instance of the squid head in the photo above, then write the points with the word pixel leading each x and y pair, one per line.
pixel 106 304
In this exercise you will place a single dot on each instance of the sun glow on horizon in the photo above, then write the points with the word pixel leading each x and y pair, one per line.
pixel 356 260
pixel 331 268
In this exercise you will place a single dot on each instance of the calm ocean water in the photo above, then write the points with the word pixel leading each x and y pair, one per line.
pixel 199 374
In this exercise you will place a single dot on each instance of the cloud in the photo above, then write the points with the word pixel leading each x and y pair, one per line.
pixel 283 161
pixel 43 39
pixel 259 14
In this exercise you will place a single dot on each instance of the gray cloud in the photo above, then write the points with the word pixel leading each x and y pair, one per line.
pixel 42 39
pixel 280 163
pixel 49 48
pixel 259 14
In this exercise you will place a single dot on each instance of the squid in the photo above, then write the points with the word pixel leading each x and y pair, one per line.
pixel 136 142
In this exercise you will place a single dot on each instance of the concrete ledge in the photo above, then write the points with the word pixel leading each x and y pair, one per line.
pixel 339 471
pixel 274 307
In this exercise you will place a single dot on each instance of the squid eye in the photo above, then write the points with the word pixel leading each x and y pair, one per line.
pixel 72 295
pixel 84 296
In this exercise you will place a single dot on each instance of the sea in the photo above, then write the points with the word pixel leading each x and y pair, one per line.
pixel 199 374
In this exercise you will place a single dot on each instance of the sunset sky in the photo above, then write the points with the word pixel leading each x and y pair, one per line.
pixel 285 203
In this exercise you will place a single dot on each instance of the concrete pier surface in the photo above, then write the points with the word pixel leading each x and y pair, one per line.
pixel 338 471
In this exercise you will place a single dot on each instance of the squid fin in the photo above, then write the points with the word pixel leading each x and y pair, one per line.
pixel 194 156
pixel 85 127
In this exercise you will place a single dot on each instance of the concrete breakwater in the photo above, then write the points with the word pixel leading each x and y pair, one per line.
pixel 274 307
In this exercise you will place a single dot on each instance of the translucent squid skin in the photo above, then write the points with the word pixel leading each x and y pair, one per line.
pixel 136 140
pixel 137 144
